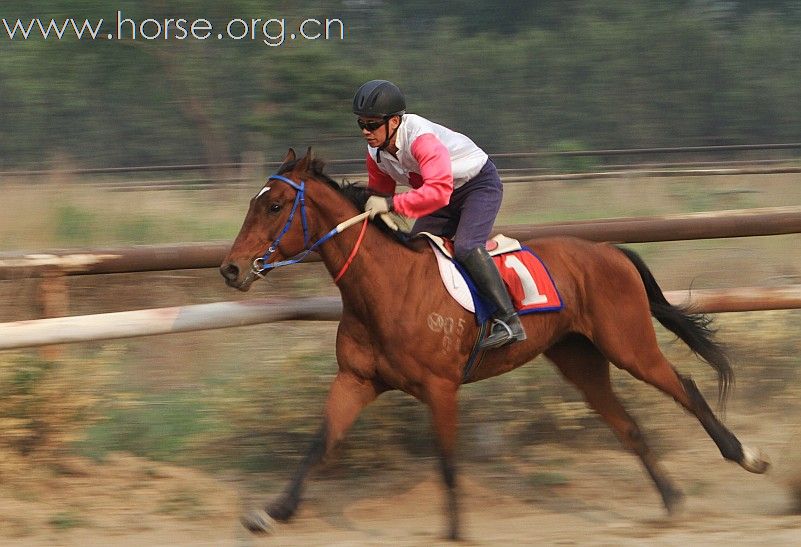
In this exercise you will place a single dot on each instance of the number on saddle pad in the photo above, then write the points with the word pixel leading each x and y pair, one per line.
pixel 528 281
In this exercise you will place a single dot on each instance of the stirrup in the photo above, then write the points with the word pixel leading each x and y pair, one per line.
pixel 501 338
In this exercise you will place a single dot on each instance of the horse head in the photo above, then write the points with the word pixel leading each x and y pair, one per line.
pixel 276 226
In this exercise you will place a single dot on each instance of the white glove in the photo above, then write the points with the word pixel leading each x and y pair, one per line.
pixel 377 205
pixel 387 218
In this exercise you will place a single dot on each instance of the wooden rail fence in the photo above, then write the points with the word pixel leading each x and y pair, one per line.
pixel 129 324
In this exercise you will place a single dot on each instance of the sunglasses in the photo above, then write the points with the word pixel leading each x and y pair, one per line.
pixel 370 126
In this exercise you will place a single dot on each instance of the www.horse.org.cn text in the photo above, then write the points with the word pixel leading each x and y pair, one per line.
pixel 270 31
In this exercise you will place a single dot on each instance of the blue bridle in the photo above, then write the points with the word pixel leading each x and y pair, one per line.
pixel 260 265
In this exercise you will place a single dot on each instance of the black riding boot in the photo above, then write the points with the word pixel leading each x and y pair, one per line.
pixel 506 326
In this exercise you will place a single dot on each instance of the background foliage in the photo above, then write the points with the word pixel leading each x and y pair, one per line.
pixel 515 75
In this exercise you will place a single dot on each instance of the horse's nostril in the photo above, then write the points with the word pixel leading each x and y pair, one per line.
pixel 230 271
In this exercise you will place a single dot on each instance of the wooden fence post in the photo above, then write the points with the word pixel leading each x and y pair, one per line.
pixel 53 300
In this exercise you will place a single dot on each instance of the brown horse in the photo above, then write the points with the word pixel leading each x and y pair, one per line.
pixel 390 289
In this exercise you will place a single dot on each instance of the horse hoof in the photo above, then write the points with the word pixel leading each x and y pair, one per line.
pixel 281 510
pixel 259 522
pixel 754 460
pixel 674 503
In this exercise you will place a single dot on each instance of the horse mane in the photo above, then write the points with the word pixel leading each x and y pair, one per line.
pixel 355 193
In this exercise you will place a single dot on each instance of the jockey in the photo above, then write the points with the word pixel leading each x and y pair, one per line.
pixel 456 191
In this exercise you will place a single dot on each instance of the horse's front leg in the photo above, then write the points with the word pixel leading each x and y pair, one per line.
pixel 348 395
pixel 444 411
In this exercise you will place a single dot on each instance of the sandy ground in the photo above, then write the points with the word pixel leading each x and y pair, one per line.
pixel 552 494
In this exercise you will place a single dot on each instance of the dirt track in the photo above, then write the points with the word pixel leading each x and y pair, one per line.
pixel 603 499
pixel 551 495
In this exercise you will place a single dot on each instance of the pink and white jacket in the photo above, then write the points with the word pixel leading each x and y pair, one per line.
pixel 431 158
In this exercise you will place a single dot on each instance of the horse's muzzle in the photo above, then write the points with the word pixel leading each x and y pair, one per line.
pixel 232 273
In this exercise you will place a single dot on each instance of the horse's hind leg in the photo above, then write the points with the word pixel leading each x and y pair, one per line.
pixel 730 447
pixel 347 397
pixel 629 341
pixel 583 365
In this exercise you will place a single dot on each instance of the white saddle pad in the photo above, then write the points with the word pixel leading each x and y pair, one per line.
pixel 453 279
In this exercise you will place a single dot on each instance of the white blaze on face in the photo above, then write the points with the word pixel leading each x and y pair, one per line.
pixel 262 191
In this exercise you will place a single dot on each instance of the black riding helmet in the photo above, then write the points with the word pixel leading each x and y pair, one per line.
pixel 380 99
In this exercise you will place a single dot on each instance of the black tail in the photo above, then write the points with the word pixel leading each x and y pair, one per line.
pixel 693 328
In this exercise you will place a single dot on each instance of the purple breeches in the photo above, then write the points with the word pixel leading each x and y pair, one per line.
pixel 470 214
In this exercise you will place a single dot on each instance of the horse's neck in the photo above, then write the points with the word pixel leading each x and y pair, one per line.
pixel 378 267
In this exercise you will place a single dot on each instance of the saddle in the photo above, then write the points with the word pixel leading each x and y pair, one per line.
pixel 526 277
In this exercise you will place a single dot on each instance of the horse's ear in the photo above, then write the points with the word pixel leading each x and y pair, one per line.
pixel 290 157
pixel 305 162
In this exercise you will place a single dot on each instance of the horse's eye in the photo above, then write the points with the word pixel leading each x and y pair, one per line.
pixel 275 207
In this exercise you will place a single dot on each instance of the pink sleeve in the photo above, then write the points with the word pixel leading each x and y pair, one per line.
pixel 435 170
pixel 377 180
